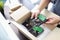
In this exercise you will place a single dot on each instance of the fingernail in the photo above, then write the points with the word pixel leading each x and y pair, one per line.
pixel 35 18
pixel 31 17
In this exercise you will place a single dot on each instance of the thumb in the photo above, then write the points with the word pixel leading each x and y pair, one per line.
pixel 32 15
pixel 49 20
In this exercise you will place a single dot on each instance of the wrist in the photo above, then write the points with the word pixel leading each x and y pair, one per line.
pixel 59 18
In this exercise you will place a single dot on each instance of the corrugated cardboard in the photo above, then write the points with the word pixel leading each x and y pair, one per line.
pixel 11 6
pixel 54 35
pixel 47 14
pixel 21 14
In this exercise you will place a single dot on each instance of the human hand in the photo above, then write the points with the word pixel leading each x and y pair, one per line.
pixel 53 20
pixel 35 14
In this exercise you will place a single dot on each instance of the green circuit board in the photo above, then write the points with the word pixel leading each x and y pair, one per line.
pixel 41 17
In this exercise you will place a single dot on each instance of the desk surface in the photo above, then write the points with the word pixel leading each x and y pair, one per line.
pixel 3 34
pixel 6 32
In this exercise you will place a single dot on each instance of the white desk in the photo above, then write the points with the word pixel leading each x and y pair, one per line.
pixel 6 30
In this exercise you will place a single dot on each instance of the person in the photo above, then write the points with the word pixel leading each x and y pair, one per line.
pixel 30 4
pixel 55 9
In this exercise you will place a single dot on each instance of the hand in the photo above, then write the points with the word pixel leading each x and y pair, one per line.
pixel 35 14
pixel 53 20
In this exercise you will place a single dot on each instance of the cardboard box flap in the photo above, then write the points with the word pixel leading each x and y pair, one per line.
pixel 20 14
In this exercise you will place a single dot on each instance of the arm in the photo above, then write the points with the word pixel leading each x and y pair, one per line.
pixel 43 4
pixel 53 20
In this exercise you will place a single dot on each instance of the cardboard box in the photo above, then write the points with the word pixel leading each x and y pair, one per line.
pixel 11 6
pixel 21 14
pixel 54 35
pixel 47 14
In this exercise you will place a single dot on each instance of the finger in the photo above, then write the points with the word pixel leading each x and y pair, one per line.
pixel 36 16
pixel 32 16
pixel 50 20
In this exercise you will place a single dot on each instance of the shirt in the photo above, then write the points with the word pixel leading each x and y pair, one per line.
pixel 56 6
pixel 29 3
